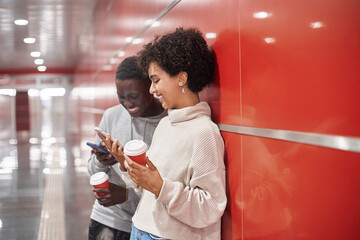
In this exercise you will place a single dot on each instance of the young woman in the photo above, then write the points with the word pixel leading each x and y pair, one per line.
pixel 184 180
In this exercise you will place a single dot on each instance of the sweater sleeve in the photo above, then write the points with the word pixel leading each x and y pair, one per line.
pixel 203 201
pixel 129 182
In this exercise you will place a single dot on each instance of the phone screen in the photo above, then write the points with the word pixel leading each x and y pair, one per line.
pixel 98 148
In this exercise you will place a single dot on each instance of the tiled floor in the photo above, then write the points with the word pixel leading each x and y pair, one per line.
pixel 44 183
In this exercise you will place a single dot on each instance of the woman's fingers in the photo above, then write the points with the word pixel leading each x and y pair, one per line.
pixel 115 146
pixel 101 137
pixel 150 164
pixel 128 160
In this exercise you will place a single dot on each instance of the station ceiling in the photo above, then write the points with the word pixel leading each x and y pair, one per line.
pixel 54 25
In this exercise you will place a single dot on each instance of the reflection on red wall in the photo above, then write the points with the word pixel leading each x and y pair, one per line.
pixel 290 65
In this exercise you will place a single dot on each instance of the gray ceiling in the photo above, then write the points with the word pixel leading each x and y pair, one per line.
pixel 55 24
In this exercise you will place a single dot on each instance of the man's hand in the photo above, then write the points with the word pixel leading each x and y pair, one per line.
pixel 114 195
pixel 105 159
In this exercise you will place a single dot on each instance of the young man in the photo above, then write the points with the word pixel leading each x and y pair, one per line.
pixel 136 117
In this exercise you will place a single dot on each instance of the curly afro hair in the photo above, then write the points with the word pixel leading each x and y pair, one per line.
pixel 129 69
pixel 182 50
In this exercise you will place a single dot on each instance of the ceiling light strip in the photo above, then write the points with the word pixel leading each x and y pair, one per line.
pixel 351 144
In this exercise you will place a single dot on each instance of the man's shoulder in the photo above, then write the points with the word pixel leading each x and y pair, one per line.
pixel 115 110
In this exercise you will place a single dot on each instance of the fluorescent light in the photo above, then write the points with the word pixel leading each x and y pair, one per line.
pixel 29 40
pixel 41 68
pixel 152 23
pixel 33 92
pixel 210 35
pixel 137 41
pixel 316 25
pixel 270 40
pixel 39 61
pixel 52 92
pixel 121 53
pixel 156 24
pixel 9 92
pixel 21 22
pixel 261 15
pixel 35 54
pixel 112 60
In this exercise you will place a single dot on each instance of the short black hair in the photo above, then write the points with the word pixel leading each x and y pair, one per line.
pixel 182 50
pixel 129 69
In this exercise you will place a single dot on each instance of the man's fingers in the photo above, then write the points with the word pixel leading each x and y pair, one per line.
pixel 105 202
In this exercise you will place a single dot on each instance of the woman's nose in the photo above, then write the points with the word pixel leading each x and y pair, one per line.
pixel 152 88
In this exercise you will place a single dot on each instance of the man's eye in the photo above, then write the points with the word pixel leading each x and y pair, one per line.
pixel 133 96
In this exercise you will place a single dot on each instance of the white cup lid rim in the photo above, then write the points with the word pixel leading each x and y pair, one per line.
pixel 98 178
pixel 135 147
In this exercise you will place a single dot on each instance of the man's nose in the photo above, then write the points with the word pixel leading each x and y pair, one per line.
pixel 128 103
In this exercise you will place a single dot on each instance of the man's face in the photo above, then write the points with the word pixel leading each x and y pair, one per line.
pixel 134 96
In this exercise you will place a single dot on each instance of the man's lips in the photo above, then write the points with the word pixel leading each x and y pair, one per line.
pixel 133 109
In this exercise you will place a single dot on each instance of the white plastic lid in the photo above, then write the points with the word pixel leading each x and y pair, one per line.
pixel 135 147
pixel 98 178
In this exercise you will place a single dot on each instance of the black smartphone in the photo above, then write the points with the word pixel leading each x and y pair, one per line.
pixel 99 149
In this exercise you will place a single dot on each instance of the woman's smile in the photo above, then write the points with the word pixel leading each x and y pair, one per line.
pixel 158 97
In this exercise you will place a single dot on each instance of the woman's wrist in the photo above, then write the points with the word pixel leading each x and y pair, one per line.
pixel 158 188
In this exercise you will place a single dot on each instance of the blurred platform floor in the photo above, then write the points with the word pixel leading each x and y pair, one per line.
pixel 45 191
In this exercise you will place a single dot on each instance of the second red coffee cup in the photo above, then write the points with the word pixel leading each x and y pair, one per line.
pixel 136 150
pixel 100 180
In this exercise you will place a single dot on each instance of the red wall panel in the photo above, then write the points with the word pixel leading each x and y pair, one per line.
pixel 290 65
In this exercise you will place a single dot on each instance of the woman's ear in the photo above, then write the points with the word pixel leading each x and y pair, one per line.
pixel 183 76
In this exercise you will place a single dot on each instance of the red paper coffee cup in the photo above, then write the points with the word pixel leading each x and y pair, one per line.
pixel 136 150
pixel 100 180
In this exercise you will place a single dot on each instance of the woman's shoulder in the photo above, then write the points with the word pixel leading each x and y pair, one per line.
pixel 204 128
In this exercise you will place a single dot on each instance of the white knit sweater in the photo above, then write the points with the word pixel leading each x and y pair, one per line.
pixel 188 151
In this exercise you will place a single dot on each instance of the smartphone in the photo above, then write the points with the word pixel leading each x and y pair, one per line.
pixel 99 149
pixel 103 133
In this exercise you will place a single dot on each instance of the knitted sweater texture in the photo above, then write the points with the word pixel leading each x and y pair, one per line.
pixel 188 151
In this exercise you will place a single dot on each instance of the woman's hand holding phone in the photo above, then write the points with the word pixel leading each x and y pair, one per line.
pixel 114 147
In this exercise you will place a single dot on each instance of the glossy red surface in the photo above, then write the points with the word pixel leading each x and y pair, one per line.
pixel 289 65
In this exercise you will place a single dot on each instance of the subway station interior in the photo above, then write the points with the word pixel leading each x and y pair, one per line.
pixel 285 98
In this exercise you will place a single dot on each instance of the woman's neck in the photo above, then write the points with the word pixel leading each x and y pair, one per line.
pixel 190 99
